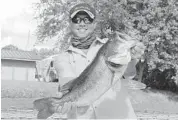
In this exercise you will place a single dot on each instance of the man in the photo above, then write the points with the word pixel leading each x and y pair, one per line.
pixel 70 64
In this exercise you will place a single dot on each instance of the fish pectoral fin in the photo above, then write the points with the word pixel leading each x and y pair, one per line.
pixel 81 110
pixel 46 107
pixel 67 86
pixel 135 85
pixel 45 104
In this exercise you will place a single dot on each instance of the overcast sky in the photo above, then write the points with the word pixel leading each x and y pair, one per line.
pixel 17 23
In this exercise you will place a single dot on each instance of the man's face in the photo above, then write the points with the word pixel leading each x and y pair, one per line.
pixel 82 25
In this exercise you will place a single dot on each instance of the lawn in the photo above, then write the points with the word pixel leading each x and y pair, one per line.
pixel 17 97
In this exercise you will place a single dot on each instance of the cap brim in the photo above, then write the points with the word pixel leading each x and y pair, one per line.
pixel 88 12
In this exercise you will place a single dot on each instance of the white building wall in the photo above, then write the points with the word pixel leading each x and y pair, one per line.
pixel 17 70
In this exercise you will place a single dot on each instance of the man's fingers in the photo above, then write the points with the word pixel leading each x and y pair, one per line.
pixel 73 107
pixel 82 109
pixel 72 112
pixel 59 109
pixel 122 39
pixel 68 107
pixel 140 45
pixel 121 34
pixel 65 108
pixel 138 51
pixel 59 94
pixel 124 36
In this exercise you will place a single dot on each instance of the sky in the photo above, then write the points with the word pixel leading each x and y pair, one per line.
pixel 17 23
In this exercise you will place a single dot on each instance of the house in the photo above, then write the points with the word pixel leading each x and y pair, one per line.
pixel 18 65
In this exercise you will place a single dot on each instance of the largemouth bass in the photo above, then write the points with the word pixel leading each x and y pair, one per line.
pixel 94 81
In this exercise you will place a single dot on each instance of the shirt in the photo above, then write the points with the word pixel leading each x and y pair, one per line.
pixel 73 61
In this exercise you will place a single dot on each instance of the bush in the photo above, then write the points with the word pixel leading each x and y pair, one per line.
pixel 161 80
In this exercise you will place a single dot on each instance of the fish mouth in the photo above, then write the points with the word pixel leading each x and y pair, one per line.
pixel 120 59
pixel 115 62
pixel 114 65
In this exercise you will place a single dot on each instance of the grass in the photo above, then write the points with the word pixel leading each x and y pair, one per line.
pixel 27 89
pixel 21 94
pixel 154 101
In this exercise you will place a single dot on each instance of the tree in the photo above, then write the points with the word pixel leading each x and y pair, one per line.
pixel 10 47
pixel 154 22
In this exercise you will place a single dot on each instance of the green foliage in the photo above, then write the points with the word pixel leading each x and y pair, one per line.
pixel 10 47
pixel 44 52
pixel 154 22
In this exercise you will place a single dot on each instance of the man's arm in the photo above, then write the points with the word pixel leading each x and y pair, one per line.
pixel 64 73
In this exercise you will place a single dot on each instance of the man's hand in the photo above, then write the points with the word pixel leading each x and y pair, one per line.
pixel 137 48
pixel 137 51
pixel 72 109
pixel 59 94
pixel 69 108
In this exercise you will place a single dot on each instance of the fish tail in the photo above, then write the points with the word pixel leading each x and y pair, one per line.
pixel 45 107
pixel 44 114
pixel 39 104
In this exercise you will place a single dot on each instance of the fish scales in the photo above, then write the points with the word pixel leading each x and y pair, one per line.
pixel 95 81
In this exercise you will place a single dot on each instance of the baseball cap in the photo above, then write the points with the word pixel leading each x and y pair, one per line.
pixel 83 7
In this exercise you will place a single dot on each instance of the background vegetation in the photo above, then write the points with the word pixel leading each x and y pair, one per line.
pixel 153 22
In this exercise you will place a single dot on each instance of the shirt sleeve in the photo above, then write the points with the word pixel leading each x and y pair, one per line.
pixel 63 68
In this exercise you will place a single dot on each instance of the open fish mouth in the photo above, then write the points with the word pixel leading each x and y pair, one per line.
pixel 114 65
pixel 121 59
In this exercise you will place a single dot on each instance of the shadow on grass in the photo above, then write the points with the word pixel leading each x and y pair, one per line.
pixel 168 94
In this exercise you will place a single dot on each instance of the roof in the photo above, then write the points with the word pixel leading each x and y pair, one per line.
pixel 19 55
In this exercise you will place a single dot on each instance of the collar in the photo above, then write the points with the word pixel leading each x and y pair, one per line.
pixel 103 41
pixel 96 42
